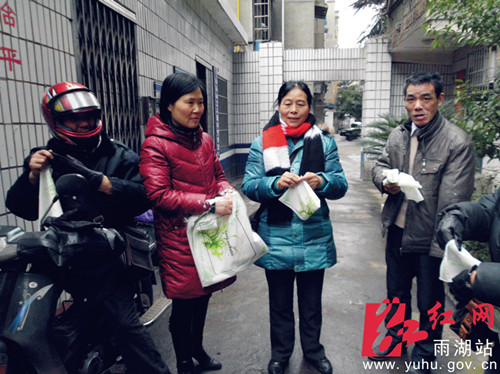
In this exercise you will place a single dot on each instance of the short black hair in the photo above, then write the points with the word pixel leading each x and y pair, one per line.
pixel 423 77
pixel 290 85
pixel 177 85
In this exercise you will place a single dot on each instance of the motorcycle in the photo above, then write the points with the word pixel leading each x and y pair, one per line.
pixel 39 334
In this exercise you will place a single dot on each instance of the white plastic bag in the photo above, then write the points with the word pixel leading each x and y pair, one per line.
pixel 302 200
pixel 223 246
pixel 46 194
pixel 455 261
pixel 406 182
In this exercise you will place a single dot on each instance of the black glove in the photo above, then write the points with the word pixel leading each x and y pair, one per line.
pixel 461 287
pixel 68 164
pixel 450 227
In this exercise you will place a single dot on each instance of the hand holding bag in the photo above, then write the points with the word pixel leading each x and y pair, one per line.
pixel 223 246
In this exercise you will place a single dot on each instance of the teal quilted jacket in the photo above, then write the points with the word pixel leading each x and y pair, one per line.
pixel 299 245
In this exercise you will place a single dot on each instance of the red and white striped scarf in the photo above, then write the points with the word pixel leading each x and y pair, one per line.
pixel 277 157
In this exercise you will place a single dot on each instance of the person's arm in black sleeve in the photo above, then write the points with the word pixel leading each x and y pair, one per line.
pixel 128 196
pixel 478 218
pixel 22 198
pixel 466 221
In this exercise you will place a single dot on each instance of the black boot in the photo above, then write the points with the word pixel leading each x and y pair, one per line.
pixel 207 362
pixel 185 367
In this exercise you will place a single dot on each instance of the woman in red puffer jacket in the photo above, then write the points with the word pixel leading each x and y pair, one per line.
pixel 181 172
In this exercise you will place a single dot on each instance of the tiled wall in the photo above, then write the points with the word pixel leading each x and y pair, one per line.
pixel 271 78
pixel 179 33
pixel 324 64
pixel 39 40
pixel 246 84
pixel 39 36
pixel 377 89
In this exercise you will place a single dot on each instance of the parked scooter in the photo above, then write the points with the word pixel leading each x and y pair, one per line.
pixel 39 334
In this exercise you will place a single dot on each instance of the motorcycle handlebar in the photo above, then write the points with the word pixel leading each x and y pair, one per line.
pixel 8 242
pixel 7 251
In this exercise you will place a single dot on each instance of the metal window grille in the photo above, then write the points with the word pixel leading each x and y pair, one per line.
pixel 477 67
pixel 261 19
pixel 106 63
pixel 223 118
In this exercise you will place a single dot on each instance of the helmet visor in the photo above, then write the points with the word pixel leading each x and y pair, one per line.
pixel 75 102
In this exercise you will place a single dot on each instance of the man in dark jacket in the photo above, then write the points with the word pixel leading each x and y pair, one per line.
pixel 440 156
pixel 116 195
pixel 478 221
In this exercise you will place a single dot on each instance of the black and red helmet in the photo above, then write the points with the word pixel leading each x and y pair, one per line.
pixel 65 100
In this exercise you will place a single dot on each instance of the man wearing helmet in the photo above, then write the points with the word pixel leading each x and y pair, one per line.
pixel 116 195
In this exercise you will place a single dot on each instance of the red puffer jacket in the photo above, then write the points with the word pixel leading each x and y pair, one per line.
pixel 181 171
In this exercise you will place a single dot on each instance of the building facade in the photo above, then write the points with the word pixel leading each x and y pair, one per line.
pixel 124 49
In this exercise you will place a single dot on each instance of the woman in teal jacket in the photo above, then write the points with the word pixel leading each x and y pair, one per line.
pixel 291 150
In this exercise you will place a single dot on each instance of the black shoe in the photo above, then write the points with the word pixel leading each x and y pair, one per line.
pixel 382 355
pixel 185 367
pixel 208 363
pixel 213 364
pixel 276 367
pixel 323 365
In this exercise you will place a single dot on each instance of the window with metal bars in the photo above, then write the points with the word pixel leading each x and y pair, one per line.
pixel 223 118
pixel 261 19
pixel 106 63
pixel 477 67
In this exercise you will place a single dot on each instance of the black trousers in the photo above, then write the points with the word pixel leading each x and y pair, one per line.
pixel 309 291
pixel 139 349
pixel 401 269
pixel 187 322
pixel 117 311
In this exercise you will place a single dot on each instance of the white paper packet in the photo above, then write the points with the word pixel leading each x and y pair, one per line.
pixel 406 182
pixel 455 261
pixel 302 200
pixel 47 192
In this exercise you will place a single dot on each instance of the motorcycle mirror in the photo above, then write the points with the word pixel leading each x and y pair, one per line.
pixel 72 184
